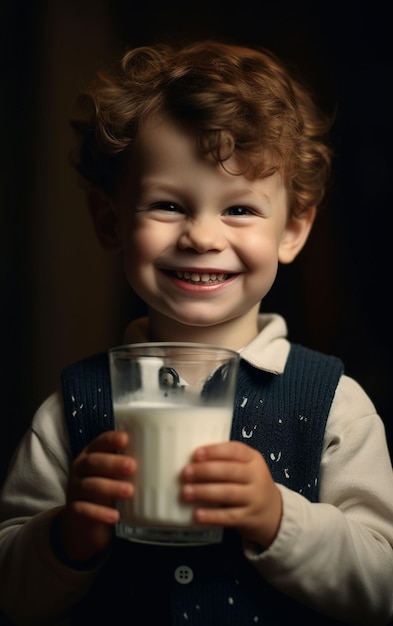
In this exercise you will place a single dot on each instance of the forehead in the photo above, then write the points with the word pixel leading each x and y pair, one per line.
pixel 165 143
pixel 166 153
pixel 160 135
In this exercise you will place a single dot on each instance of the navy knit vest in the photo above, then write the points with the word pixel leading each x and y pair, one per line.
pixel 284 417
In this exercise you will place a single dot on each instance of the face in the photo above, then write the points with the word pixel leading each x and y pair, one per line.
pixel 201 246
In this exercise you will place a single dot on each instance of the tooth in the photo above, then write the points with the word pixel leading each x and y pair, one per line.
pixel 196 277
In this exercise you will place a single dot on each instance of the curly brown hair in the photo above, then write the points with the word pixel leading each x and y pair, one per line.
pixel 237 99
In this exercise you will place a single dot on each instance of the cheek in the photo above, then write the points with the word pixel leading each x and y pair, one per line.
pixel 141 244
pixel 142 248
pixel 136 255
pixel 260 252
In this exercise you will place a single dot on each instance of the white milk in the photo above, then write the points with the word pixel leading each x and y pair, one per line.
pixel 163 439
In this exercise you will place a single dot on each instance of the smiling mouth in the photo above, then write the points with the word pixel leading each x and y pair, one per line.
pixel 204 278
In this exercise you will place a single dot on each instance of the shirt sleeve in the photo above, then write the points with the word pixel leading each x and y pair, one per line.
pixel 36 587
pixel 336 555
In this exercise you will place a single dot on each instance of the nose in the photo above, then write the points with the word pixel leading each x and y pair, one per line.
pixel 202 235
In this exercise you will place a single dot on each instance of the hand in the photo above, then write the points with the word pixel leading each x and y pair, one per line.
pixel 85 524
pixel 231 486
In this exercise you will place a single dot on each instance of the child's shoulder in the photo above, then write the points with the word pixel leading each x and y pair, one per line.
pixel 302 355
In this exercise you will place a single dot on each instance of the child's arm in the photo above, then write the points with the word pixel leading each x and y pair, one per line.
pixel 335 555
pixel 36 585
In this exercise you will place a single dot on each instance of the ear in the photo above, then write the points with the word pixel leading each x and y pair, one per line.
pixel 105 219
pixel 295 235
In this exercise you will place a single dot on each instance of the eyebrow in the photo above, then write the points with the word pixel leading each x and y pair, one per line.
pixel 245 192
pixel 238 192
pixel 159 186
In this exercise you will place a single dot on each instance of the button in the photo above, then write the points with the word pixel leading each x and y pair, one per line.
pixel 184 574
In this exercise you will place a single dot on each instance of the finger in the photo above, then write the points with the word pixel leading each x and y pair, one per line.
pixel 217 471
pixel 94 512
pixel 105 464
pixel 109 441
pixel 224 517
pixel 218 494
pixel 102 490
pixel 229 450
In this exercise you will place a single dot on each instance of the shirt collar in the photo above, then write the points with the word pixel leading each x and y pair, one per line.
pixel 268 351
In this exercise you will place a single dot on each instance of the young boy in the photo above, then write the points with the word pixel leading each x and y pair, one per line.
pixel 204 168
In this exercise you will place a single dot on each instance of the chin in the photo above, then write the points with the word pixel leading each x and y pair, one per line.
pixel 200 320
pixel 197 322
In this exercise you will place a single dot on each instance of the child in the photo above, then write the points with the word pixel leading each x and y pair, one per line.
pixel 204 166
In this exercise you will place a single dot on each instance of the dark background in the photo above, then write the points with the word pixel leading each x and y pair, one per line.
pixel 63 298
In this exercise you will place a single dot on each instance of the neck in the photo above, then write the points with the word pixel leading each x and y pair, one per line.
pixel 232 334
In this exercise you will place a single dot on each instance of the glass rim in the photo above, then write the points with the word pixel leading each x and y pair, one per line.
pixel 175 345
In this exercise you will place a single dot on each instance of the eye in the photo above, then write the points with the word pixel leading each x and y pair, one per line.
pixel 170 207
pixel 238 211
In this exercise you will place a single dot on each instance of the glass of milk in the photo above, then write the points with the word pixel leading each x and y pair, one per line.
pixel 171 398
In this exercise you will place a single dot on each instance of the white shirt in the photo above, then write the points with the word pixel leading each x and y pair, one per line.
pixel 335 555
